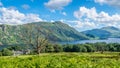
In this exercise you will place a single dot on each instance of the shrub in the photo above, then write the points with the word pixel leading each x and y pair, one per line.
pixel 6 52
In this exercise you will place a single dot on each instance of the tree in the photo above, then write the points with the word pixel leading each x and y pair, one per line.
pixel 17 47
pixel 33 36
pixel 84 49
pixel 111 47
pixel 49 48
pixel 68 48
pixel 40 44
pixel 89 48
pixel 6 52
pixel 117 47
pixel 39 41
pixel 76 48
pixel 58 48
pixel 101 47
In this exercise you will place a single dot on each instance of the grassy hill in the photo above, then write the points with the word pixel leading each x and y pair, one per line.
pixel 55 32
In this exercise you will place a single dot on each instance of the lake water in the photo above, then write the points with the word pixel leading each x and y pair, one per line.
pixel 109 40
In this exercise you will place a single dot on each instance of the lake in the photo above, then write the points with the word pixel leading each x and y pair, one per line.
pixel 109 40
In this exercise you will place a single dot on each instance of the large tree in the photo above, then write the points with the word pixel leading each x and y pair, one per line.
pixel 33 36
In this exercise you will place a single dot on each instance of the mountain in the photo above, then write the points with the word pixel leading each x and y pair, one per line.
pixel 55 32
pixel 103 33
pixel 115 32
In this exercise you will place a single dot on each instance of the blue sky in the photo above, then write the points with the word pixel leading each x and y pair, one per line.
pixel 80 14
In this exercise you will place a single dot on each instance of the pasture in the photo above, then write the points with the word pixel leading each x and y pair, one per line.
pixel 63 60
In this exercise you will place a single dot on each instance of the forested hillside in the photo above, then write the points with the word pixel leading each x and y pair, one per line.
pixel 55 32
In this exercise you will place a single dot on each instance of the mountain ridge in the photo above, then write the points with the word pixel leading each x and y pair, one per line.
pixel 104 32
pixel 56 31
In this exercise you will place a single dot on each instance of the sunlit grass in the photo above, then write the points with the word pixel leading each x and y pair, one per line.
pixel 62 60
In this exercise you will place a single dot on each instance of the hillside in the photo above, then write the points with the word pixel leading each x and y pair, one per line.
pixel 115 32
pixel 103 33
pixel 55 32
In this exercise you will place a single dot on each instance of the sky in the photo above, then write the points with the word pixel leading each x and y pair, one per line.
pixel 80 14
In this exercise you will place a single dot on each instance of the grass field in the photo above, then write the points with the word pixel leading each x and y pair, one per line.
pixel 63 60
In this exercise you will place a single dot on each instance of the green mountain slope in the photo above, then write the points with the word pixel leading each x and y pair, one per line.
pixel 115 32
pixel 103 33
pixel 55 32
pixel 61 32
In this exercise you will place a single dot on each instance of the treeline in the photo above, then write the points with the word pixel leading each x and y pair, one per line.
pixel 88 47
pixel 92 47
pixel 50 48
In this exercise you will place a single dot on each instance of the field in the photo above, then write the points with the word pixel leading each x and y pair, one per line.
pixel 63 60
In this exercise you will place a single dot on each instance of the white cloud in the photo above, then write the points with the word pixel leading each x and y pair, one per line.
pixel 100 1
pixel 115 3
pixel 63 13
pixel 57 4
pixel 81 26
pixel 14 17
pixel 78 25
pixel 32 18
pixel 52 21
pixel 25 6
pixel 91 18
pixel 90 13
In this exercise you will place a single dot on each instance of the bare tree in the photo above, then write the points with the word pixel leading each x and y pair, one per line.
pixel 40 40
pixel 40 44
pixel 34 36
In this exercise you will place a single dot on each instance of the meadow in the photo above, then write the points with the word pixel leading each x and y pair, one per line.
pixel 62 60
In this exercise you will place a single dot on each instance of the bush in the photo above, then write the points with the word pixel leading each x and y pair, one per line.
pixel 49 48
pixel 6 52
pixel 58 48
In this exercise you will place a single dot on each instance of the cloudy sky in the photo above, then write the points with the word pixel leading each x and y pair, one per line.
pixel 80 14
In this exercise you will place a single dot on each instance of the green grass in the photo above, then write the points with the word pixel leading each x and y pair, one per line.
pixel 63 60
